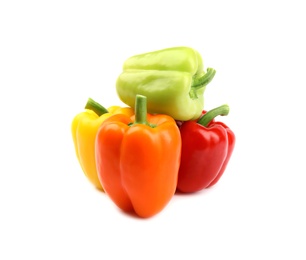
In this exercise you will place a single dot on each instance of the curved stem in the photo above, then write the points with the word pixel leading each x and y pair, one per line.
pixel 211 114
pixel 141 110
pixel 205 79
pixel 96 107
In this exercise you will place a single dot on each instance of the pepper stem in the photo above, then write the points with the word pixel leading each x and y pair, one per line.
pixel 96 107
pixel 141 110
pixel 211 114
pixel 205 79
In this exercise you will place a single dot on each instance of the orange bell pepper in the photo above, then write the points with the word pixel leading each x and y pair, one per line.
pixel 84 128
pixel 138 159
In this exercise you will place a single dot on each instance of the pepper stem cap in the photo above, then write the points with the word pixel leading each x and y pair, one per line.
pixel 205 79
pixel 96 107
pixel 141 110
pixel 211 114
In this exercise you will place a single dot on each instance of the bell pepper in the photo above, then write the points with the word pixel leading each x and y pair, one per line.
pixel 207 146
pixel 84 128
pixel 172 79
pixel 138 159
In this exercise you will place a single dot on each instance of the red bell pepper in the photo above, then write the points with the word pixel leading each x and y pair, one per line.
pixel 206 150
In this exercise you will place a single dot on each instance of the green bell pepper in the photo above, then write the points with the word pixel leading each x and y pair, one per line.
pixel 172 79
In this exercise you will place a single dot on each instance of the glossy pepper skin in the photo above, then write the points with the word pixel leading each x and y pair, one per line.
pixel 207 147
pixel 138 160
pixel 84 128
pixel 172 79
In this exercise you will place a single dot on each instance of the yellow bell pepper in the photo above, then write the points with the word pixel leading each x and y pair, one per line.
pixel 84 128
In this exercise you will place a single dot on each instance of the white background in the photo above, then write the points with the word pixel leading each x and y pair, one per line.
pixel 56 54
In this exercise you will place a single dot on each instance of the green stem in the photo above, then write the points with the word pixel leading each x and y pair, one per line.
pixel 211 114
pixel 205 79
pixel 96 107
pixel 141 110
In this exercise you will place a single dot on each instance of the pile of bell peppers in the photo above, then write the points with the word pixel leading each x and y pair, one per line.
pixel 162 141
